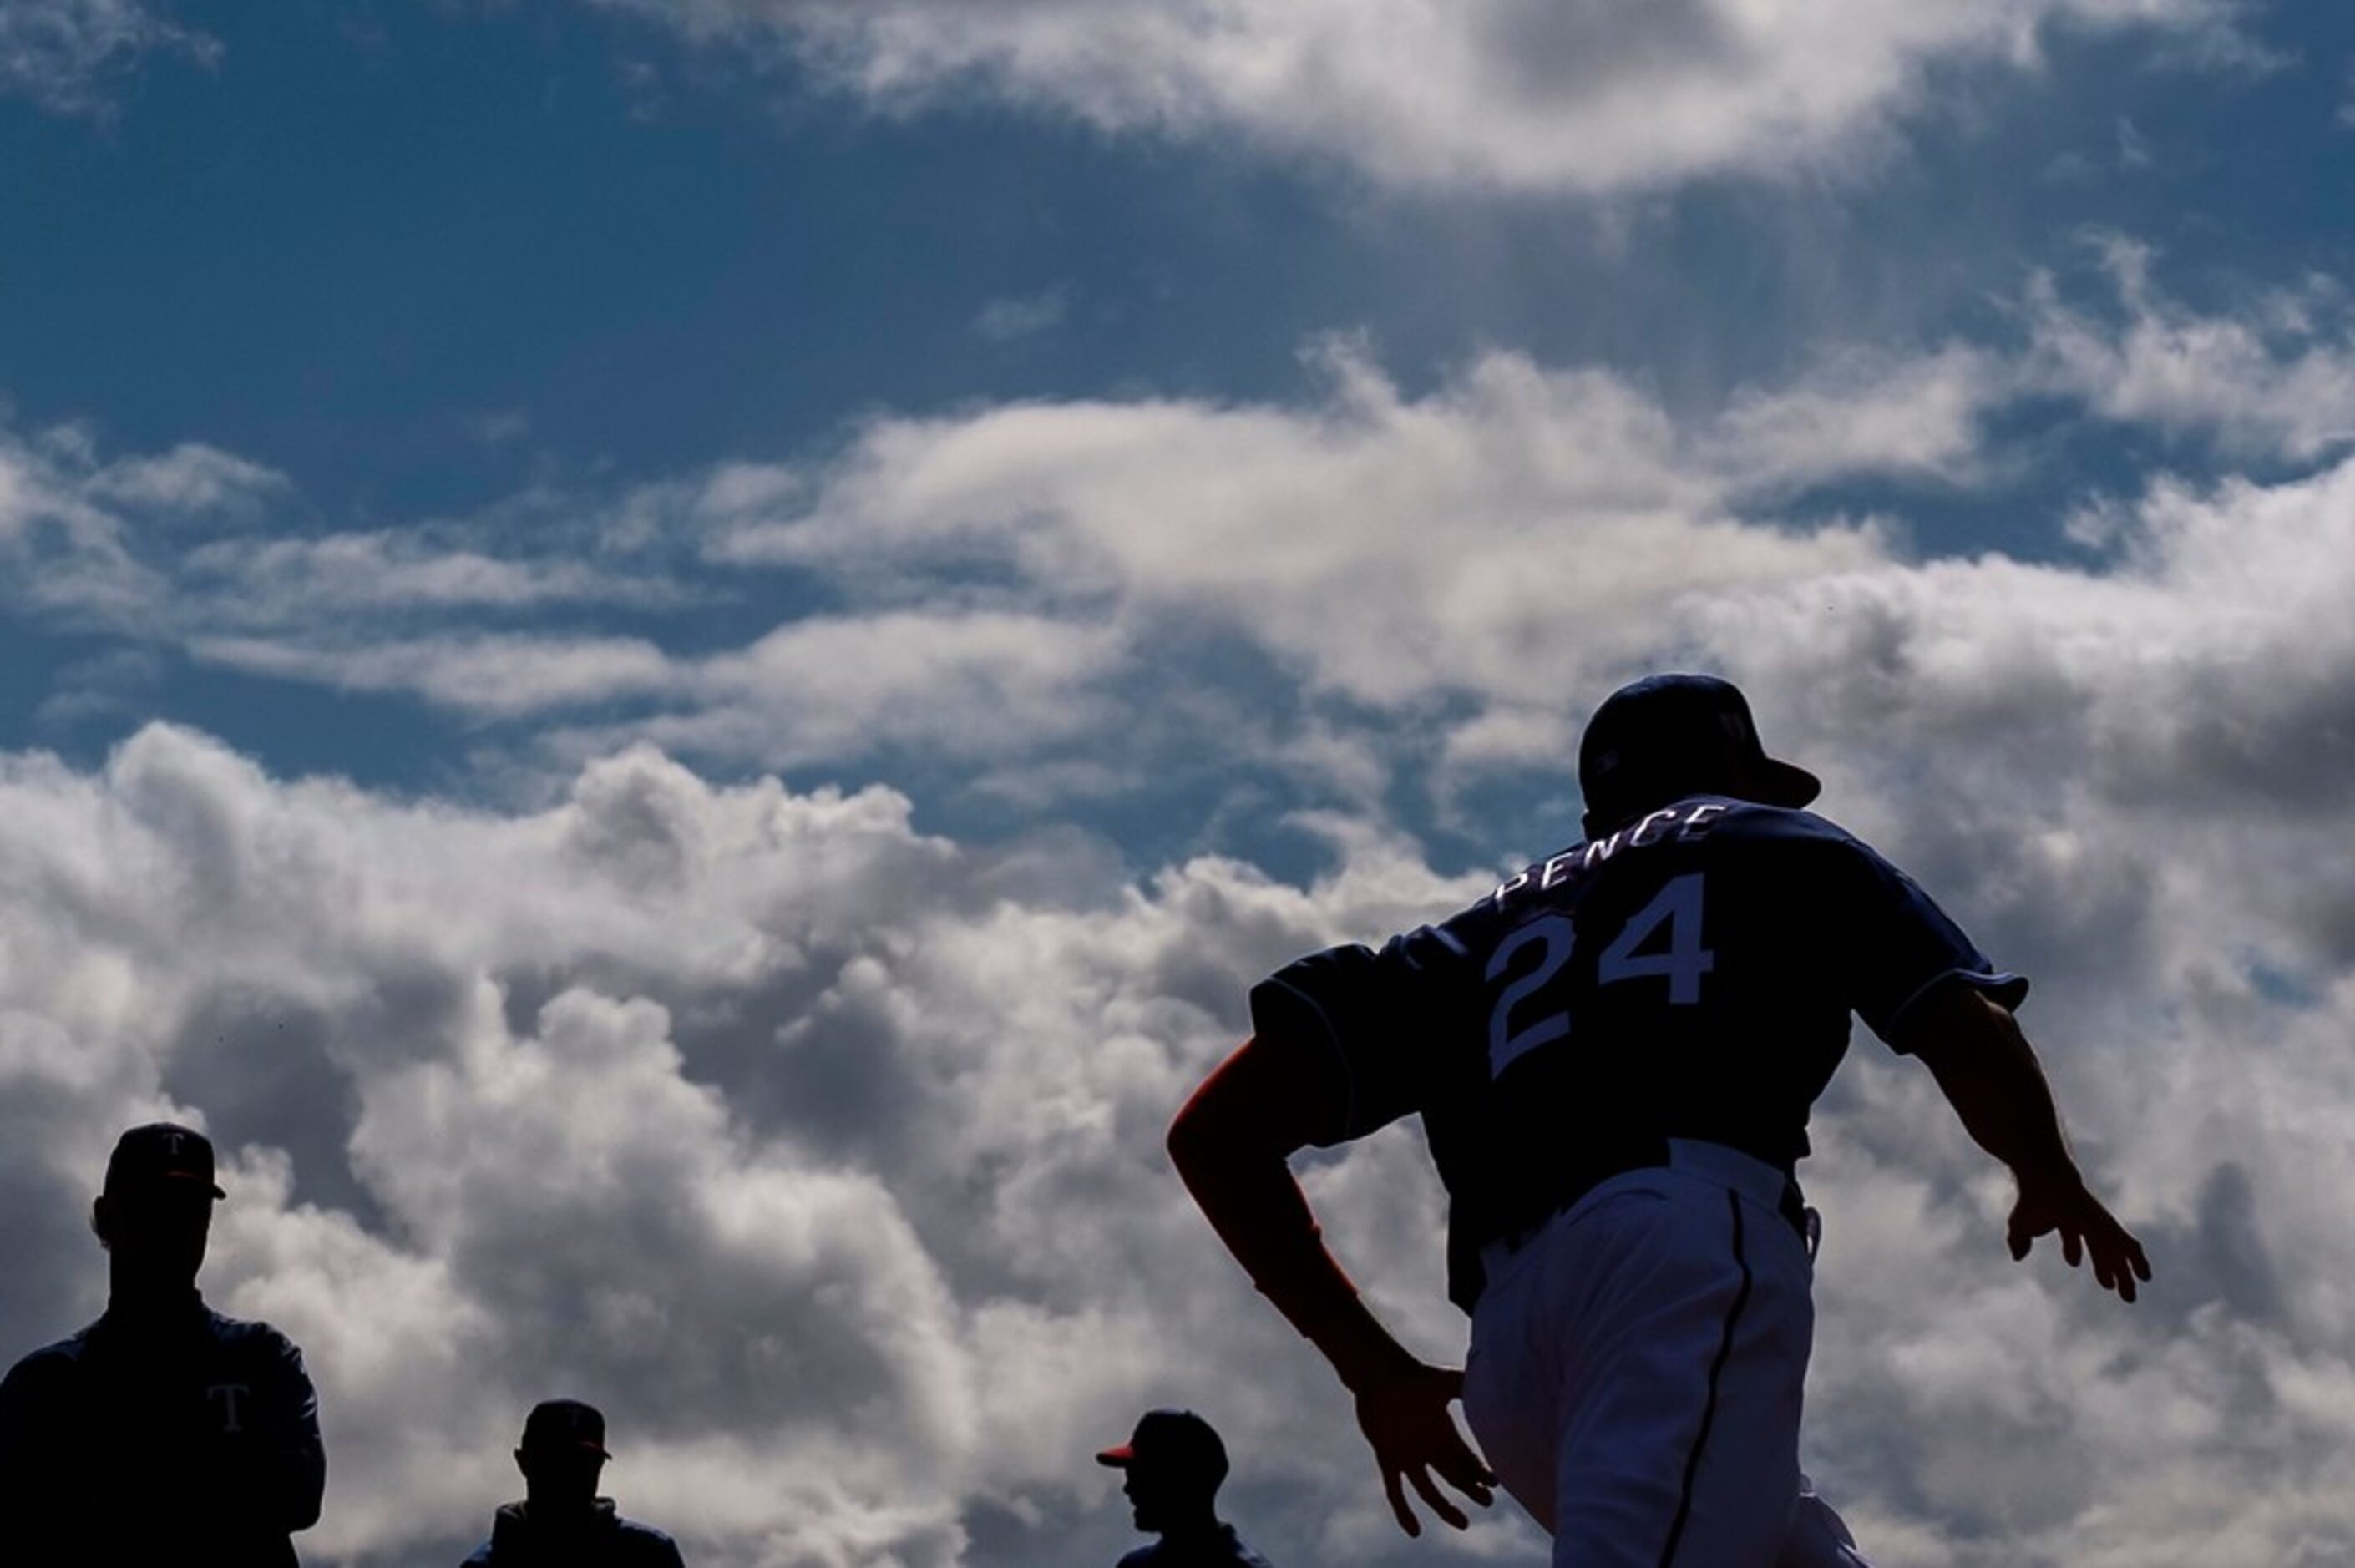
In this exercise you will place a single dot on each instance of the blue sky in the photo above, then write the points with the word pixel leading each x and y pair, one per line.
pixel 1089 500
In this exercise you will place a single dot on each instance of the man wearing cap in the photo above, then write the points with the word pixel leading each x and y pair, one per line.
pixel 1171 1470
pixel 1613 1055
pixel 164 1431
pixel 562 1522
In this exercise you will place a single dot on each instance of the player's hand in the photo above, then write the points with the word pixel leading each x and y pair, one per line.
pixel 2084 1227
pixel 1405 1416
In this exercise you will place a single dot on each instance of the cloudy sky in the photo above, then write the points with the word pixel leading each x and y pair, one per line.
pixel 674 660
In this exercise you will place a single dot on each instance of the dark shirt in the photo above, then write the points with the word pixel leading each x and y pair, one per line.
pixel 164 1434
pixel 605 1539
pixel 1691 975
pixel 1224 1550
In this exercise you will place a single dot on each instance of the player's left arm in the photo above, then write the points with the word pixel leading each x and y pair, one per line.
pixel 1989 1073
pixel 1232 1144
pixel 291 1477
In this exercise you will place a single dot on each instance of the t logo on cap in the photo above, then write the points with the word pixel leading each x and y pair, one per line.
pixel 154 1157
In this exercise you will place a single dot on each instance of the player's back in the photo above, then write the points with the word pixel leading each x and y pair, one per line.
pixel 1687 975
pixel 1690 970
pixel 1690 975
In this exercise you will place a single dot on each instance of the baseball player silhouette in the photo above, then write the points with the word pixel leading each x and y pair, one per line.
pixel 164 1432
pixel 1171 1470
pixel 1614 1055
pixel 562 1522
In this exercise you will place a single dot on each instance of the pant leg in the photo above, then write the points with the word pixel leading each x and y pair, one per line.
pixel 1656 1344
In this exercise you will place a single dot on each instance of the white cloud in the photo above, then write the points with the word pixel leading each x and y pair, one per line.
pixel 191 481
pixel 823 1148
pixel 773 1126
pixel 1476 517
pixel 305 581
pixel 1016 316
pixel 490 676
pixel 1598 96
pixel 2277 378
pixel 826 1152
pixel 997 590
pixel 63 55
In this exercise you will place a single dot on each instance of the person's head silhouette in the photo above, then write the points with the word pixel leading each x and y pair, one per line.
pixel 1659 739
pixel 561 1457
pixel 561 1519
pixel 154 1214
pixel 1172 1467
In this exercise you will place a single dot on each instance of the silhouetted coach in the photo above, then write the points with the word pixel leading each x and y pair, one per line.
pixel 1172 1467
pixel 562 1522
pixel 164 1432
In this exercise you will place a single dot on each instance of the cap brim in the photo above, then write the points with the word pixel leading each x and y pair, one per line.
pixel 210 1186
pixel 1119 1459
pixel 1784 785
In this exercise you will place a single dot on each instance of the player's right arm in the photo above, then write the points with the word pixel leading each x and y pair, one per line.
pixel 1232 1144
pixel 1989 1073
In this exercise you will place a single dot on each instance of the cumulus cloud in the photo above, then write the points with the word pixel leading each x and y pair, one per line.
pixel 1599 96
pixel 825 1151
pixel 792 1135
pixel 66 55
pixel 2275 378
pixel 995 589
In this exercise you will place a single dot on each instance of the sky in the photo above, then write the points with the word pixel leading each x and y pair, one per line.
pixel 674 660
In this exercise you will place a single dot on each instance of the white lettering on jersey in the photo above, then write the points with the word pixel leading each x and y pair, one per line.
pixel 1687 823
pixel 1639 838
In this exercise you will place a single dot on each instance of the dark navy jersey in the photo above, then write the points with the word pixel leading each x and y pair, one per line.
pixel 1224 1550
pixel 1691 975
pixel 170 1435
pixel 605 1540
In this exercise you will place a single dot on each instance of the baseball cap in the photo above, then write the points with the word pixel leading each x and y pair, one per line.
pixel 566 1424
pixel 1177 1440
pixel 1671 727
pixel 148 1157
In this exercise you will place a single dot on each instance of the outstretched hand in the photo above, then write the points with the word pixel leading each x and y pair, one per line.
pixel 1405 1417
pixel 2084 1227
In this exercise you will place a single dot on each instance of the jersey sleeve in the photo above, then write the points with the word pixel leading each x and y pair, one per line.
pixel 1380 1013
pixel 299 1458
pixel 1895 944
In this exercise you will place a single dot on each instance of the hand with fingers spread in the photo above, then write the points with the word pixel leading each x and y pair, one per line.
pixel 2084 1227
pixel 1404 1416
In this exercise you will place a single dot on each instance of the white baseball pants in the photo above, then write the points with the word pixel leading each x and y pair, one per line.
pixel 1637 1367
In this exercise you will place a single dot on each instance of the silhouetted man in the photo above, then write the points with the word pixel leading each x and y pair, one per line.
pixel 1172 1467
pixel 562 1522
pixel 164 1432
pixel 1613 1055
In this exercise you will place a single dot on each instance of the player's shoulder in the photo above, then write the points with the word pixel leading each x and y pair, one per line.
pixel 645 1544
pixel 43 1367
pixel 1756 820
pixel 1787 831
pixel 1143 1557
pixel 252 1340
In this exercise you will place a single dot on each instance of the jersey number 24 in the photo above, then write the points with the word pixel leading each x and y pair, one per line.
pixel 1681 961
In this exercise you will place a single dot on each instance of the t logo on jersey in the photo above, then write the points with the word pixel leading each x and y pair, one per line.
pixel 229 1397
